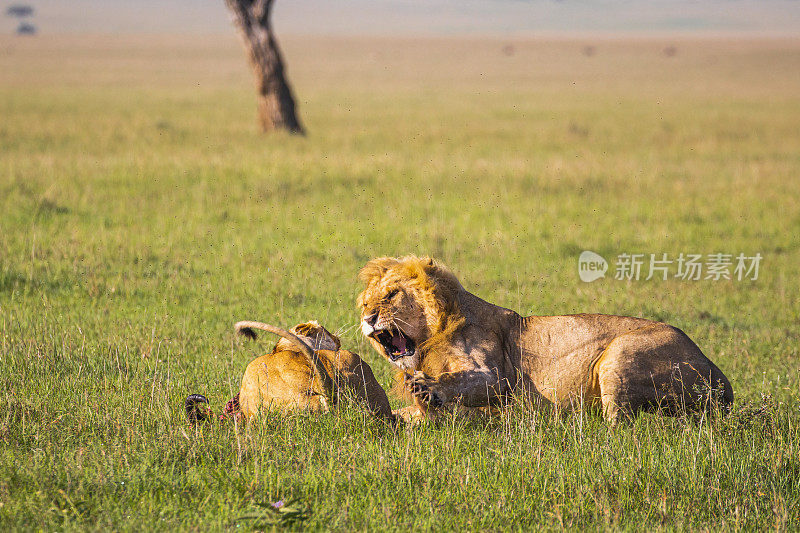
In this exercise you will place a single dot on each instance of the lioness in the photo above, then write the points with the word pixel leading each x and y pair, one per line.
pixel 295 376
pixel 455 347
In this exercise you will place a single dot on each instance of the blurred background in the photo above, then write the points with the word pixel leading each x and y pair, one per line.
pixel 381 17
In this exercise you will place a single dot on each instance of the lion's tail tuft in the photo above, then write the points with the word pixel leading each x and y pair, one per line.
pixel 246 331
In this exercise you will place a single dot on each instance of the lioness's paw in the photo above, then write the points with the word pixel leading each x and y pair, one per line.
pixel 422 387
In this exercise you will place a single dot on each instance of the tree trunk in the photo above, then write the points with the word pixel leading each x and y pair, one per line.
pixel 276 107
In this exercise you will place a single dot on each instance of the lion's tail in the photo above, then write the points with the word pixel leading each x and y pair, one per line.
pixel 246 328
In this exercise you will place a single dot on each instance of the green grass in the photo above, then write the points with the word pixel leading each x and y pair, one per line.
pixel 141 215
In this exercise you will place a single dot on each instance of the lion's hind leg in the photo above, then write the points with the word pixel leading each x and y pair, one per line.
pixel 657 368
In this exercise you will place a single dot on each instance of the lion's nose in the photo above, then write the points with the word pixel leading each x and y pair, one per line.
pixel 371 319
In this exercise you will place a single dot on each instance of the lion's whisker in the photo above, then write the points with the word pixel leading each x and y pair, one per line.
pixel 403 321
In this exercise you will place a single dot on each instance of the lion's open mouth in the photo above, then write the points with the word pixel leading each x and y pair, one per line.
pixel 396 343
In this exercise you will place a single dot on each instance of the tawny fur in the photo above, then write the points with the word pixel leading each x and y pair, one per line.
pixel 474 353
pixel 295 376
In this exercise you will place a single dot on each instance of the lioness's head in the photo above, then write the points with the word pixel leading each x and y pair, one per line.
pixel 407 303
pixel 316 336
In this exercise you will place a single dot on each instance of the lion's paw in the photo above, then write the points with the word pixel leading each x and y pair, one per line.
pixel 422 387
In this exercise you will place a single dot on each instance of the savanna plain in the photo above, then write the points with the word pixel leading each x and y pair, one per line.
pixel 142 214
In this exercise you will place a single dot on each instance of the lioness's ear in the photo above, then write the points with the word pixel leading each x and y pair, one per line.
pixel 306 328
pixel 318 337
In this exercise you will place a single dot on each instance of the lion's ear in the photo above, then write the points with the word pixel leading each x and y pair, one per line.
pixel 306 328
pixel 376 268
pixel 319 338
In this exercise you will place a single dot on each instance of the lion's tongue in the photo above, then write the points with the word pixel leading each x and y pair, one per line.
pixel 399 342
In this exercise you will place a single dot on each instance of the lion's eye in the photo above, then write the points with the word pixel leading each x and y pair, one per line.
pixel 391 294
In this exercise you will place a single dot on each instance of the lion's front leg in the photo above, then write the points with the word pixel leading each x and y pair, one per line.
pixel 424 389
pixel 475 388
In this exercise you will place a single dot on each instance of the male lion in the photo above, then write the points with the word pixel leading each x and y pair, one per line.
pixel 295 376
pixel 455 348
